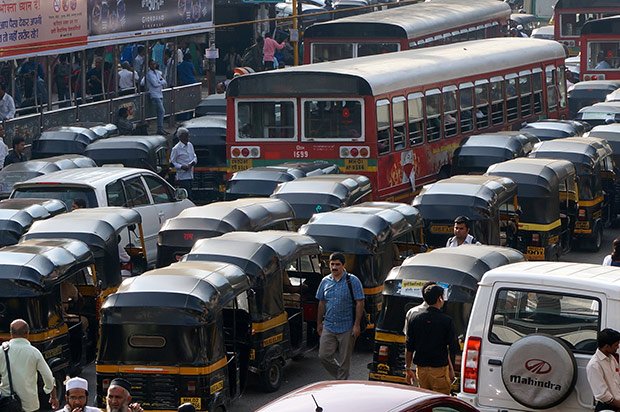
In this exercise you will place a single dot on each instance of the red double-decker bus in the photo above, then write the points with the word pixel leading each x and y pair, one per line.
pixel 600 49
pixel 407 27
pixel 396 117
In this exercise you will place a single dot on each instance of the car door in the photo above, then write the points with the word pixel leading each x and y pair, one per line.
pixel 163 197
pixel 138 198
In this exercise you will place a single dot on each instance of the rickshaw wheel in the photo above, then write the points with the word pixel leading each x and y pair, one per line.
pixel 271 378
pixel 594 244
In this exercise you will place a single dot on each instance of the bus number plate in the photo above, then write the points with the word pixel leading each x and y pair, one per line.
pixel 237 165
pixel 355 165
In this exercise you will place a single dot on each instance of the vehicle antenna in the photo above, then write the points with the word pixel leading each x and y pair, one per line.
pixel 318 408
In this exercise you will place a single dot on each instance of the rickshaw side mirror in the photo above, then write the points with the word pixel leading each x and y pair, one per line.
pixel 180 194
pixel 251 293
pixel 131 227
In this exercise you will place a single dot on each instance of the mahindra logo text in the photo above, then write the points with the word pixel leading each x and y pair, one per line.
pixel 538 366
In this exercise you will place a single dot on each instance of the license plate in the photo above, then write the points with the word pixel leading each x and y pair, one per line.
pixel 582 225
pixel 194 401
pixel 237 165
pixel 355 165
pixel 442 229
pixel 535 253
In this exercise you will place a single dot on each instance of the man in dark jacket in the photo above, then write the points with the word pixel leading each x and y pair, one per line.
pixel 17 155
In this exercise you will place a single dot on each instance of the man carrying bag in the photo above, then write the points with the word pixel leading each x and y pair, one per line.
pixel 19 365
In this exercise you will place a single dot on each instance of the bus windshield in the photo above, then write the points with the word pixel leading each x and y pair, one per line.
pixel 333 119
pixel 272 119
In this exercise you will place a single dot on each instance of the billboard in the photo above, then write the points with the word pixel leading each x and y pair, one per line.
pixel 32 27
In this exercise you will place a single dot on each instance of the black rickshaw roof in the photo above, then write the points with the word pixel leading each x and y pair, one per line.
pixel 35 263
pixel 523 18
pixel 50 164
pixel 602 107
pixel 461 266
pixel 412 21
pixel 566 128
pixel 609 132
pixel 140 143
pixel 360 229
pixel 202 287
pixel 472 196
pixel 607 26
pixel 580 150
pixel 285 172
pixel 482 149
pixel 534 176
pixel 71 133
pixel 17 215
pixel 262 174
pixel 95 226
pixel 254 252
pixel 249 214
pixel 609 85
pixel 216 121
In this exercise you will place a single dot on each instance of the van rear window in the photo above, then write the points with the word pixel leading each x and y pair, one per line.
pixel 65 193
pixel 573 319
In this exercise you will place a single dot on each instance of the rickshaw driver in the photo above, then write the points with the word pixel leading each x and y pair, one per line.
pixel 461 233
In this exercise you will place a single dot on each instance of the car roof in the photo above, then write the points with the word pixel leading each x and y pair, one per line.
pixel 212 120
pixel 88 176
pixel 361 396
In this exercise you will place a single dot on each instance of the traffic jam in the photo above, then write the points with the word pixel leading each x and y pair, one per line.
pixel 386 206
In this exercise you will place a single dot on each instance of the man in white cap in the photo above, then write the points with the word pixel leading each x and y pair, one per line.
pixel 77 396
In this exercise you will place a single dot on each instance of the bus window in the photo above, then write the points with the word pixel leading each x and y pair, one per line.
pixel 537 86
pixel 433 114
pixel 369 49
pixel 324 52
pixel 562 86
pixel 571 23
pixel 603 55
pixel 383 126
pixel 466 103
pixel 399 122
pixel 450 116
pixel 552 96
pixel 266 119
pixel 512 97
pixel 525 93
pixel 482 104
pixel 416 118
pixel 332 119
pixel 497 101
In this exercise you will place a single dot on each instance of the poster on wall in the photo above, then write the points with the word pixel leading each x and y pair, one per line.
pixel 32 27
pixel 127 19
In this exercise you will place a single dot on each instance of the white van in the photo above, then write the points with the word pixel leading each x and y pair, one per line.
pixel 532 332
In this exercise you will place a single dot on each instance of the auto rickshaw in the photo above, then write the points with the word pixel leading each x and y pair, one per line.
pixel 489 202
pixel 177 235
pixel 548 200
pixel 20 172
pixel 17 215
pixel 145 152
pixel 213 104
pixel 592 158
pixel 262 181
pixel 600 113
pixel 208 135
pixel 178 334
pixel 104 230
pixel 584 94
pixel 548 129
pixel 374 236
pixel 324 193
pixel 458 270
pixel 61 140
pixel 36 281
pixel 285 273
pixel 476 153
pixel 611 133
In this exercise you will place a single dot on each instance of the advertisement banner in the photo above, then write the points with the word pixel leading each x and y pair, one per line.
pixel 127 19
pixel 30 27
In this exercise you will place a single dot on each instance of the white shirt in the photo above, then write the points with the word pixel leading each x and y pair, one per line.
pixel 469 240
pixel 4 151
pixel 604 377
pixel 7 107
pixel 86 409
pixel 155 84
pixel 607 260
pixel 25 361
pixel 182 155
pixel 412 312
pixel 127 79
pixel 124 257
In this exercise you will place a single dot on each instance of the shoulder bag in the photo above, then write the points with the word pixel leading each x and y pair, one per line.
pixel 10 403
pixel 364 320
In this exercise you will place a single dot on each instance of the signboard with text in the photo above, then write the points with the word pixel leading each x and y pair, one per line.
pixel 30 27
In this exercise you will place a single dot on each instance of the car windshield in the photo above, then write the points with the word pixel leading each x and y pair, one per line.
pixel 67 194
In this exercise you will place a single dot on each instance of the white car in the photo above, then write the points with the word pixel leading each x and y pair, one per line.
pixel 138 189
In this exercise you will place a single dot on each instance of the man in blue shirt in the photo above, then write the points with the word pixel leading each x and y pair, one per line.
pixel 338 302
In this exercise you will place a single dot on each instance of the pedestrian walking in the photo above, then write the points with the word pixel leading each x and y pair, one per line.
pixel 461 233
pixel 25 363
pixel 155 84
pixel 7 105
pixel 76 396
pixel 118 398
pixel 341 304
pixel 602 371
pixel 183 158
pixel 17 155
pixel 431 345
pixel 614 258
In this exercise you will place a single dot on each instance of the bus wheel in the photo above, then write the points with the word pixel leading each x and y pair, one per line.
pixel 271 378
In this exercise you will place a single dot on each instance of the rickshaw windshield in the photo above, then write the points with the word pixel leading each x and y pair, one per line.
pixel 589 186
pixel 40 312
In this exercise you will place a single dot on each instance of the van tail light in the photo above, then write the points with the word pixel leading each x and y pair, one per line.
pixel 536 239
pixel 191 387
pixel 471 365
pixel 582 214
pixel 105 384
pixel 384 352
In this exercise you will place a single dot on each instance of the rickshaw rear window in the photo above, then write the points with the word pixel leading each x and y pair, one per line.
pixel 33 310
pixel 67 194
pixel 144 341
pixel 395 308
